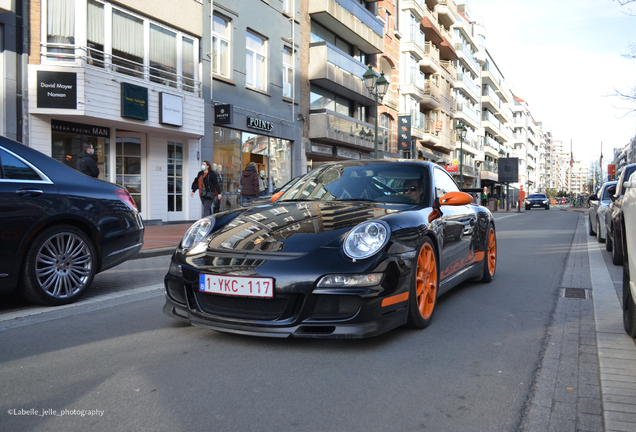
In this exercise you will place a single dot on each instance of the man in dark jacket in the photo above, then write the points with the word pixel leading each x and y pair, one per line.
pixel 249 184
pixel 85 162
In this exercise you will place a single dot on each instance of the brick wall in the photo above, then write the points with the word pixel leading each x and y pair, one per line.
pixel 34 32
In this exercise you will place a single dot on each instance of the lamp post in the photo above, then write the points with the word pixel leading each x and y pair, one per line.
pixel 461 131
pixel 378 87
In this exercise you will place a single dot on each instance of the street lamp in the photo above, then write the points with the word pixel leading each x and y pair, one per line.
pixel 461 131
pixel 378 87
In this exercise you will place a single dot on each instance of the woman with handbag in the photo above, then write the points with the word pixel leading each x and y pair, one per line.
pixel 205 182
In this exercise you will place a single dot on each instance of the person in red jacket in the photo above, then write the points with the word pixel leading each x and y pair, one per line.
pixel 249 184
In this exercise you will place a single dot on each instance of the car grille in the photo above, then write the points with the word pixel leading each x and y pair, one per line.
pixel 331 307
pixel 243 307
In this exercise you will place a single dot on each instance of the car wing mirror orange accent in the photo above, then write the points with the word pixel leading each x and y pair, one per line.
pixel 276 196
pixel 436 213
pixel 456 199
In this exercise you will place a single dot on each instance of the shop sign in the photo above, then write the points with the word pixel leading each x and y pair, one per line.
pixel 451 168
pixel 347 153
pixel 404 132
pixel 57 90
pixel 317 148
pixel 439 125
pixel 260 124
pixel 223 114
pixel 171 112
pixel 79 129
pixel 134 101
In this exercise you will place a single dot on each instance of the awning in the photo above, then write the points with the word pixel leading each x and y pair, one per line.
pixel 446 50
pixel 431 32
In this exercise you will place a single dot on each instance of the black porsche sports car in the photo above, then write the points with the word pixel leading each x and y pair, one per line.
pixel 353 249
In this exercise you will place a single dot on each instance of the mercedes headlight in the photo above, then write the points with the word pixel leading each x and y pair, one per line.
pixel 197 232
pixel 366 239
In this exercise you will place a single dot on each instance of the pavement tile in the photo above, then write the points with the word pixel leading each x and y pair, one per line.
pixel 621 416
pixel 620 371
pixel 560 424
pixel 611 398
pixel 620 407
pixel 618 377
pixel 590 391
pixel 626 354
pixel 631 392
pixel 565 395
pixel 589 423
pixel 590 406
pixel 538 419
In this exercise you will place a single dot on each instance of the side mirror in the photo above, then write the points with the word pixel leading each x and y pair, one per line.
pixel 593 197
pixel 276 196
pixel 456 199
pixel 628 185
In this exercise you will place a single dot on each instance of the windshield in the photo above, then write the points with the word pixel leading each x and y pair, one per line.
pixel 382 182
pixel 537 196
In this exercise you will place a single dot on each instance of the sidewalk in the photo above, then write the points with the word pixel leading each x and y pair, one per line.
pixel 162 239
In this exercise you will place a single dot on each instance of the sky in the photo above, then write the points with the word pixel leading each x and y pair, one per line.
pixel 565 59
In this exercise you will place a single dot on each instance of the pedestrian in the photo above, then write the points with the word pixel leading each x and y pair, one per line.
pixel 249 184
pixel 484 199
pixel 262 184
pixel 205 182
pixel 85 162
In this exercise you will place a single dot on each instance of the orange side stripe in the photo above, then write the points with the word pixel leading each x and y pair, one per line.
pixel 395 299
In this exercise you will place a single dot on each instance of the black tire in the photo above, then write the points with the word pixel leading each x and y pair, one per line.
pixel 547 207
pixel 528 208
pixel 490 258
pixel 591 230
pixel 422 296
pixel 608 240
pixel 598 232
pixel 617 257
pixel 629 308
pixel 51 275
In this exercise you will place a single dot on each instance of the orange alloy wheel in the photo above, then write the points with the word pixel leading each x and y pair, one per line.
pixel 492 251
pixel 426 281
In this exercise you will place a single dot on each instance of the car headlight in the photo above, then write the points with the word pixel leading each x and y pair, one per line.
pixel 545 202
pixel 366 239
pixel 197 232
pixel 527 202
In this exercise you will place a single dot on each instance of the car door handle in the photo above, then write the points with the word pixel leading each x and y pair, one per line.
pixel 29 192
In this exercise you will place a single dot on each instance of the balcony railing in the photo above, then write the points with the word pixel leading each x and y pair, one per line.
pixel 490 167
pixel 463 48
pixel 469 112
pixel 418 120
pixel 488 92
pixel 464 78
pixel 489 142
pixel 340 128
pixel 450 67
pixel 362 14
pixel 416 35
pixel 91 57
pixel 416 77
pixel 341 60
pixel 488 116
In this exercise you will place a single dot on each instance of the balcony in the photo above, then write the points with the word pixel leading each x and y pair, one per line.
pixel 449 71
pixel 468 86
pixel 431 97
pixel 390 100
pixel 447 141
pixel 493 125
pixel 489 171
pixel 447 10
pixel 352 22
pixel 417 8
pixel 422 129
pixel 491 147
pixel 431 27
pixel 414 42
pixel 334 70
pixel 331 127
pixel 491 101
pixel 467 115
pixel 430 62
pixel 463 53
pixel 414 84
pixel 448 105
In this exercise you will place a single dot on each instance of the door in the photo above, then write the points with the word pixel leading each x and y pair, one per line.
pixel 25 195
pixel 130 167
pixel 175 181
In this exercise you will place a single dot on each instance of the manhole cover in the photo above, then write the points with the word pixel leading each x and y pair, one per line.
pixel 578 293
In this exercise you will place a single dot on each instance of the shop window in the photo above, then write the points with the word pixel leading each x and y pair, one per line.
pixel 175 177
pixel 221 46
pixel 128 167
pixel 387 142
pixel 163 56
pixel 256 62
pixel 60 29
pixel 67 145
pixel 227 154
pixel 128 44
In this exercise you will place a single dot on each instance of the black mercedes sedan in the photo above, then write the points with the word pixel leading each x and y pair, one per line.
pixel 353 249
pixel 537 200
pixel 59 227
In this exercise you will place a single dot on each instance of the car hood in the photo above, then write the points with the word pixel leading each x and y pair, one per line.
pixel 296 226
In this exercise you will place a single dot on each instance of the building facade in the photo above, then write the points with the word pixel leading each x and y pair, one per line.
pixel 252 91
pixel 124 77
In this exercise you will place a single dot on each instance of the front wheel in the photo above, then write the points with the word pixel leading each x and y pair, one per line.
pixel 423 293
pixel 629 308
pixel 590 229
pixel 598 232
pixel 547 207
pixel 59 266
pixel 490 260
pixel 617 257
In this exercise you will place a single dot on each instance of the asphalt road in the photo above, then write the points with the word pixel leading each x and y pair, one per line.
pixel 120 364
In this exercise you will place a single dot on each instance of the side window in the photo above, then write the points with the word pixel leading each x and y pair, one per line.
pixel 444 183
pixel 14 169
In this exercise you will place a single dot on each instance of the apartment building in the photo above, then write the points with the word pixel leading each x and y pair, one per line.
pixel 123 76
pixel 339 39
pixel 468 39
pixel 579 177
pixel 428 74
pixel 252 90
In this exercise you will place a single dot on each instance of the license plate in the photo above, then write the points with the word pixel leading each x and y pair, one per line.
pixel 237 286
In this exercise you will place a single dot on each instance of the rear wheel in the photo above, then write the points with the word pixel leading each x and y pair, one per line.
pixel 490 261
pixel 423 294
pixel 59 266
pixel 629 308
pixel 617 257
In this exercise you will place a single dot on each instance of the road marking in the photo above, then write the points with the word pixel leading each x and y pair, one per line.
pixel 40 310
pixel 507 216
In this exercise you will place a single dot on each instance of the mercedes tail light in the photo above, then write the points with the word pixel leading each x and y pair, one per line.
pixel 126 198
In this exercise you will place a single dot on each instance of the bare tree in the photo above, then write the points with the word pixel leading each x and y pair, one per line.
pixel 629 94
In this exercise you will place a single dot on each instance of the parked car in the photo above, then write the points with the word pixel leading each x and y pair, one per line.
pixel 537 200
pixel 340 254
pixel 614 220
pixel 629 254
pixel 59 227
pixel 598 208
